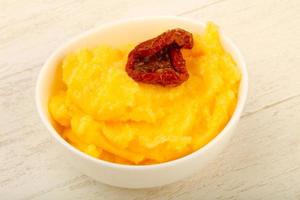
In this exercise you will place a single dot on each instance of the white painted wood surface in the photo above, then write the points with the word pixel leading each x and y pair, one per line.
pixel 261 162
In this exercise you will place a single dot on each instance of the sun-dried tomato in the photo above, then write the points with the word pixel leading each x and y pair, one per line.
pixel 159 60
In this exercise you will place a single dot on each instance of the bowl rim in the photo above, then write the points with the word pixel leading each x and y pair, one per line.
pixel 243 91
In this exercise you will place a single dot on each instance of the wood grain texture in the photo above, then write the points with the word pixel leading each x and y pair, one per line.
pixel 261 162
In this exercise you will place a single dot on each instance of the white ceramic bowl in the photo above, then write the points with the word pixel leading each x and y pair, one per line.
pixel 124 32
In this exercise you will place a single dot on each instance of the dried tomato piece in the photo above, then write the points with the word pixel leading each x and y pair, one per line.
pixel 159 60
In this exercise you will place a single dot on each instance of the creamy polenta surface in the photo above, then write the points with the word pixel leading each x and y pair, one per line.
pixel 106 114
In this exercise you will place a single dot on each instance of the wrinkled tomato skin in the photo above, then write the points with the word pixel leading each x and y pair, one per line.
pixel 159 60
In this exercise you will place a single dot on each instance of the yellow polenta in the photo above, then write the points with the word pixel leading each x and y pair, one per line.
pixel 106 114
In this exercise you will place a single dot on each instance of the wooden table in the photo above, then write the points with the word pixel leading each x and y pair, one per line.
pixel 261 162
